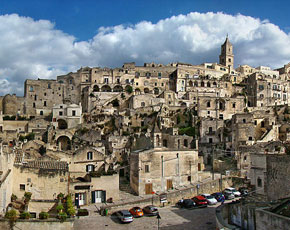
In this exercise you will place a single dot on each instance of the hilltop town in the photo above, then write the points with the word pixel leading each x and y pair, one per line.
pixel 100 133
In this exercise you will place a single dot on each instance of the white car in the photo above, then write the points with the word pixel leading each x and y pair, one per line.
pixel 210 199
pixel 233 190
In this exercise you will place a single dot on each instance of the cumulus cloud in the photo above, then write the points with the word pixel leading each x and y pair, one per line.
pixel 35 49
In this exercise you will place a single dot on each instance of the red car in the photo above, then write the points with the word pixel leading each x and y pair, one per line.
pixel 200 201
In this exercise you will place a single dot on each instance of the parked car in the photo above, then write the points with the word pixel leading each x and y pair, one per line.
pixel 186 203
pixel 219 196
pixel 125 216
pixel 229 195
pixel 233 190
pixel 244 191
pixel 210 199
pixel 200 201
pixel 150 210
pixel 136 212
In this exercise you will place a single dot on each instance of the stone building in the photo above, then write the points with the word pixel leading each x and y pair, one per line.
pixel 66 116
pixel 161 169
pixel 269 174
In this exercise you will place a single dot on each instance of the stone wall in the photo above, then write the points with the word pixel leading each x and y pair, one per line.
pixel 266 220
pixel 278 170
pixel 38 224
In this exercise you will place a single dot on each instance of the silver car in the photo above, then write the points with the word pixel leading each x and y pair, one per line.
pixel 125 216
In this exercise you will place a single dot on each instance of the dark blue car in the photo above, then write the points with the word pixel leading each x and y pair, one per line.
pixel 219 196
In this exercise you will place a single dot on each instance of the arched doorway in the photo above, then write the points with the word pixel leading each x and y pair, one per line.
pixel 106 88
pixel 146 90
pixel 96 88
pixel 156 91
pixel 118 88
pixel 63 142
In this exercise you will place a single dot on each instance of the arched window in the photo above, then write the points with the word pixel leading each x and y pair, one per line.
pixel 196 84
pixel 208 84
pixel 208 104
pixel 202 84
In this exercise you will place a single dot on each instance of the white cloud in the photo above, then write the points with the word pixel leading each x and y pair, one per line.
pixel 32 49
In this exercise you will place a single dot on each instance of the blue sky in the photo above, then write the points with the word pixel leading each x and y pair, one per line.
pixel 82 18
pixel 44 39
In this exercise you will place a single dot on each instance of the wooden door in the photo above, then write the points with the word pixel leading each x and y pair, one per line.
pixel 148 189
pixel 169 184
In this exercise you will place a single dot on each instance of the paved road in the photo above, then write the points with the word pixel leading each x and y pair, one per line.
pixel 172 218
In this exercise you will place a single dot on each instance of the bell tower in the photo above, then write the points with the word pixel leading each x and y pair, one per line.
pixel 227 56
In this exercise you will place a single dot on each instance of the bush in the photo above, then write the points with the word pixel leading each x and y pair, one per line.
pixel 11 215
pixel 13 197
pixel 25 215
pixel 62 216
pixel 115 103
pixel 27 196
pixel 129 89
pixel 43 215
pixel 59 207
pixel 189 131
pixel 71 211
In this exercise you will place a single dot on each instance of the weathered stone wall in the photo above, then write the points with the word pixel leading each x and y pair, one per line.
pixel 38 224
pixel 278 181
pixel 266 220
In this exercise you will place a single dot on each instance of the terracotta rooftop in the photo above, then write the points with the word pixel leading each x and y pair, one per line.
pixel 49 165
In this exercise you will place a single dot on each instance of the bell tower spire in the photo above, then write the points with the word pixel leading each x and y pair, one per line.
pixel 227 56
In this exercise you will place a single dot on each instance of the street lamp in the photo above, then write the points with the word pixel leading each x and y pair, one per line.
pixel 158 218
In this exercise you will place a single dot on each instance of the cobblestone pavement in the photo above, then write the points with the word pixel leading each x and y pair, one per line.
pixel 172 218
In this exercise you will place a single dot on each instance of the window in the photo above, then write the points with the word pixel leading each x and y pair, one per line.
pixel 159 75
pixel 209 140
pixel 48 86
pixel 155 83
pixel 137 74
pixel 41 112
pixel 221 116
pixel 142 104
pixel 148 74
pixel 208 104
pixel 35 97
pixel 185 143
pixel 259 182
pixel 90 155
pixel 30 88
pixel 90 168
pixel 22 187
pixel 250 138
pixel 147 169
pixel 106 80
pixel 210 129
pixel 33 105
pixel 261 87
pixel 118 80
pixel 44 103
pixel 73 113
pixel 44 94
pixel 261 96
pixel 60 113
pixel 234 105
pixel 244 120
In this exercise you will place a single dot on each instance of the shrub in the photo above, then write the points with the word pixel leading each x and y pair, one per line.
pixel 60 196
pixel 13 197
pixel 62 216
pixel 43 215
pixel 115 103
pixel 25 215
pixel 129 89
pixel 27 196
pixel 71 211
pixel 59 208
pixel 11 215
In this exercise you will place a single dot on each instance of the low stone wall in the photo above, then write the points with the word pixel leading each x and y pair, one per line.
pixel 222 218
pixel 174 196
pixel 38 224
pixel 266 220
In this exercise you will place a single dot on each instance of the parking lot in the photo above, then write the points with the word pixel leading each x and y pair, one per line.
pixel 171 218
